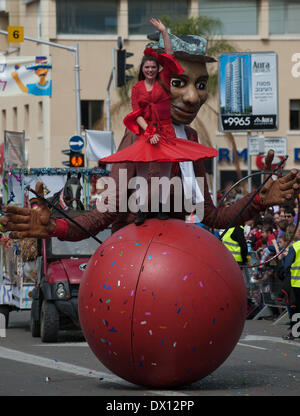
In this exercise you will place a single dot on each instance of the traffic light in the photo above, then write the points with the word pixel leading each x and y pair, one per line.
pixel 121 66
pixel 66 152
pixel 76 159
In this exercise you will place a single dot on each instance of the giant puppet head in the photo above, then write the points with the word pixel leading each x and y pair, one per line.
pixel 188 90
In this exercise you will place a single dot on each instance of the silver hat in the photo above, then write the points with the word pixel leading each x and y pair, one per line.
pixel 187 47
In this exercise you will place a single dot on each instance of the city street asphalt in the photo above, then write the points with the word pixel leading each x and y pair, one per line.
pixel 262 364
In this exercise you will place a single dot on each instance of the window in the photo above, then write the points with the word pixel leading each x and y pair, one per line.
pixel 26 118
pixel 91 112
pixel 40 119
pixel 96 17
pixel 284 17
pixel 3 120
pixel 15 118
pixel 294 114
pixel 140 12
pixel 236 17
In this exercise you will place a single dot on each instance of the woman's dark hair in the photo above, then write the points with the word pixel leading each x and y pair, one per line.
pixel 146 58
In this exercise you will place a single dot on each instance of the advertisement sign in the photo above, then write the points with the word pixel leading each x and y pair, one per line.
pixel 260 161
pixel 248 91
pixel 260 145
pixel 22 75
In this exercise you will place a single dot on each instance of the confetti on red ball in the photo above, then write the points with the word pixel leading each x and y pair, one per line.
pixel 162 304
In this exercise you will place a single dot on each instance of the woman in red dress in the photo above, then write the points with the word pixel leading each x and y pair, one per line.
pixel 151 121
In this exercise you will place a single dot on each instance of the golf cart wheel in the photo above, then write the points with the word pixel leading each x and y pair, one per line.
pixel 4 310
pixel 49 322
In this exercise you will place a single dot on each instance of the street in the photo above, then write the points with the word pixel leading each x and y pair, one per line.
pixel 262 364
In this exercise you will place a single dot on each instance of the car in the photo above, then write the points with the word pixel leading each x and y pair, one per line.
pixel 55 296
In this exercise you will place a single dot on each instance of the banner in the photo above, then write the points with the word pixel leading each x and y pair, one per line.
pixel 14 149
pixel 248 91
pixel 21 75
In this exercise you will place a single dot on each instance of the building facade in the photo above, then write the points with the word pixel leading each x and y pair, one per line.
pixel 95 25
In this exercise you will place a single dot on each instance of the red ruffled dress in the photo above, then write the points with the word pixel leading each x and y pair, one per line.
pixel 154 106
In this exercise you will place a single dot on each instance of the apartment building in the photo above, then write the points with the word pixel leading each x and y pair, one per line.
pixel 95 25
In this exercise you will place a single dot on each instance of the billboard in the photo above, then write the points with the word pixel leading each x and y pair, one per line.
pixel 248 92
pixel 22 75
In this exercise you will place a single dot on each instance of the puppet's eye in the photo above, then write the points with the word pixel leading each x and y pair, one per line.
pixel 201 85
pixel 177 83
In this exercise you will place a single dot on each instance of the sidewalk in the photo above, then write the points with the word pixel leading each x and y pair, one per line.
pixel 265 327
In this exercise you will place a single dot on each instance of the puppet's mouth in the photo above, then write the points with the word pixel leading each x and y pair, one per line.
pixel 185 111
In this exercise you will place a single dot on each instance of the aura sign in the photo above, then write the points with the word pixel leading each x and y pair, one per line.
pixel 248 91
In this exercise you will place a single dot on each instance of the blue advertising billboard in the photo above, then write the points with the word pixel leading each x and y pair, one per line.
pixel 248 91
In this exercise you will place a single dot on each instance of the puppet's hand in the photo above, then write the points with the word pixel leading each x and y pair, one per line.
pixel 28 222
pixel 280 191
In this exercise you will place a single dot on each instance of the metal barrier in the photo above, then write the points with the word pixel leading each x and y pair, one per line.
pixel 263 289
pixel 270 291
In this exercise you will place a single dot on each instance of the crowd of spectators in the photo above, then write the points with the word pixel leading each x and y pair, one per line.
pixel 272 232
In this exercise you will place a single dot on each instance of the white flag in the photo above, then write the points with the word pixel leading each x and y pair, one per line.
pixel 99 144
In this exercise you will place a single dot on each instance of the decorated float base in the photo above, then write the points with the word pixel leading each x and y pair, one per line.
pixel 162 304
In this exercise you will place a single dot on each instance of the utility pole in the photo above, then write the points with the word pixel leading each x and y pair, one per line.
pixel 108 113
pixel 43 32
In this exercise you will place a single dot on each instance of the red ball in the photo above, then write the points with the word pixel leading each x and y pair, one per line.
pixel 162 304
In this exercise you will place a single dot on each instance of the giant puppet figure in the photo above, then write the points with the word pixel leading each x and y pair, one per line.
pixel 188 94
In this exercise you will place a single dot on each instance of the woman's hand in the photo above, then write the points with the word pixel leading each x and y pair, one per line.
pixel 162 28
pixel 154 139
pixel 158 24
